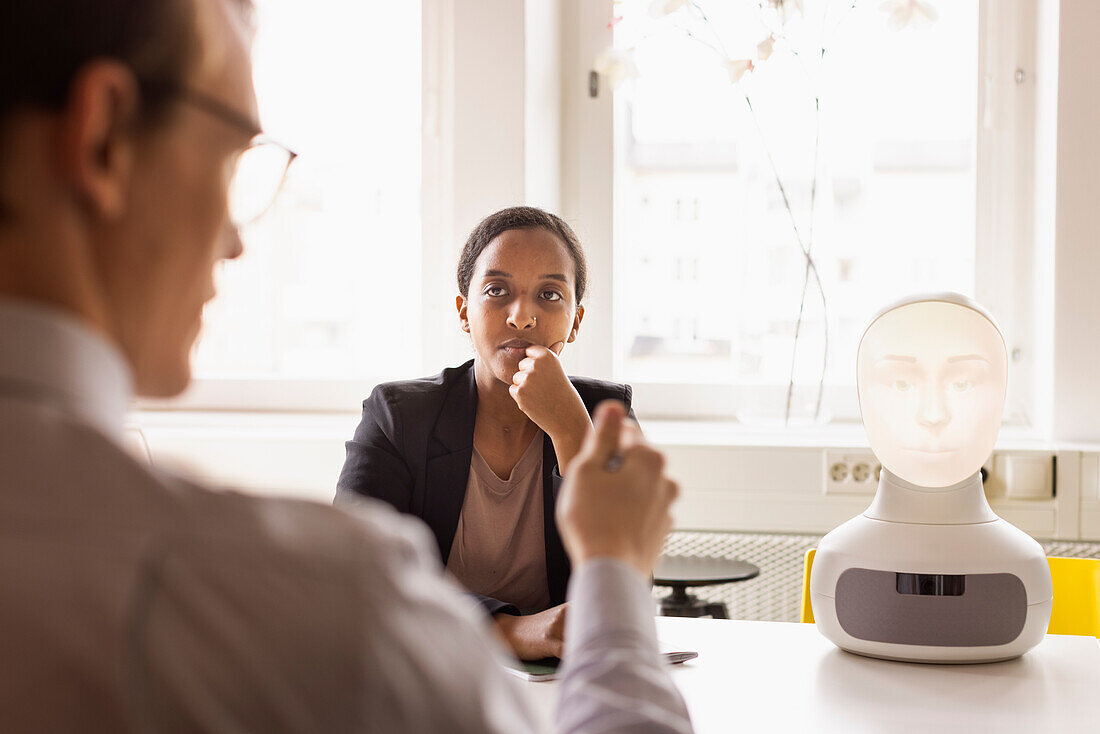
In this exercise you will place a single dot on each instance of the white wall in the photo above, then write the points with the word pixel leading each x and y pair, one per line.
pixel 586 173
pixel 1045 187
pixel 542 104
pixel 1076 328
pixel 474 151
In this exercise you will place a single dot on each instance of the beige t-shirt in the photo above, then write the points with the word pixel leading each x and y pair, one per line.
pixel 499 547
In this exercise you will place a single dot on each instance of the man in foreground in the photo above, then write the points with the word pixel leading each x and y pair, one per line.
pixel 135 601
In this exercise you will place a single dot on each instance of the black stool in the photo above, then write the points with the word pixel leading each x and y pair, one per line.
pixel 680 572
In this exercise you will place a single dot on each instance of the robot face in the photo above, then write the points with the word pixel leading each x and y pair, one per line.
pixel 931 376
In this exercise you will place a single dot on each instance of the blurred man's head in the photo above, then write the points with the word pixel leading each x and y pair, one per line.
pixel 115 154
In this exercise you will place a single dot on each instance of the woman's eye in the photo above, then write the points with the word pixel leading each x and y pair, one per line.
pixel 902 385
pixel 962 386
pixel 495 290
pixel 551 296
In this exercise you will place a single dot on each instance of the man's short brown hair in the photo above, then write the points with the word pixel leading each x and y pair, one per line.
pixel 45 43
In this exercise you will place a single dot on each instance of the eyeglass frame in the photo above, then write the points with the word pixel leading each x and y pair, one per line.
pixel 227 114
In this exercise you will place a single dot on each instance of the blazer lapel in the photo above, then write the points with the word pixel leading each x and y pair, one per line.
pixel 447 465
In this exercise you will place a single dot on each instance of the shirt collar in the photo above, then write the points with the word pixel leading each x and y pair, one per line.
pixel 48 356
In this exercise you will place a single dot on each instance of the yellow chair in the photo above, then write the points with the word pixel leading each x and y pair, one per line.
pixel 807 611
pixel 1076 595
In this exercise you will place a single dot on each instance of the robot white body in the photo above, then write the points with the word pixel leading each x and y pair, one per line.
pixel 928 573
pixel 960 592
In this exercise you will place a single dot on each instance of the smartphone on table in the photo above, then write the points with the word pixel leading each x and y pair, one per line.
pixel 547 668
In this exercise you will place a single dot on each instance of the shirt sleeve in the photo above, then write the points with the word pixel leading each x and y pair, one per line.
pixel 614 677
pixel 346 623
pixel 430 662
pixel 316 621
pixel 433 666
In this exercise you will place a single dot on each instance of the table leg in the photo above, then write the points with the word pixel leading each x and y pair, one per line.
pixel 716 610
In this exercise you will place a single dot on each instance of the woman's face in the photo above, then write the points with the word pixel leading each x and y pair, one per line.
pixel 522 293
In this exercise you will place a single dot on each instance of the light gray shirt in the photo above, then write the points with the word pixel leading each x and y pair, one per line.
pixel 133 601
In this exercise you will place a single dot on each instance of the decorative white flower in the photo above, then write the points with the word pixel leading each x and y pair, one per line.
pixel 661 8
pixel 737 68
pixel 616 66
pixel 764 48
pixel 904 13
pixel 786 8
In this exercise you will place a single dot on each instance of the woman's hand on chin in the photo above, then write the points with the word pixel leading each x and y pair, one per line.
pixel 534 636
pixel 543 391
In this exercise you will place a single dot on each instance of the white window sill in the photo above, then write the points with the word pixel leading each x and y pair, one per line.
pixel 339 426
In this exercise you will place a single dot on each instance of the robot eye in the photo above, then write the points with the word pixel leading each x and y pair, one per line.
pixel 902 385
pixel 962 386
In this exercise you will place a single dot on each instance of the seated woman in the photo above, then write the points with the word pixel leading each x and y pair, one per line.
pixel 478 451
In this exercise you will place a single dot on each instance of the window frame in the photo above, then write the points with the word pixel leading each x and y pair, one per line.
pixel 275 394
pixel 1004 213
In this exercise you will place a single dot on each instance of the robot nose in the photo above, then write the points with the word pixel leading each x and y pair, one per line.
pixel 933 411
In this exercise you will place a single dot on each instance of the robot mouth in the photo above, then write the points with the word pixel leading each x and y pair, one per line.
pixel 933 452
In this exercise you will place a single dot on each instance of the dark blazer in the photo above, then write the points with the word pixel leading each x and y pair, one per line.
pixel 413 449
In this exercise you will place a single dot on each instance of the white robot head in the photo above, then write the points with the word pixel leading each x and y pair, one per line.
pixel 931 373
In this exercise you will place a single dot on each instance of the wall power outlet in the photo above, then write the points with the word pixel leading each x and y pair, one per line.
pixel 850 471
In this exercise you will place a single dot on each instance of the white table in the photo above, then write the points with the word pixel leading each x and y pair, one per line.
pixel 786 677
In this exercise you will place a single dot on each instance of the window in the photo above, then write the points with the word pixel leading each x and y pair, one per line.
pixel 921 182
pixel 716 201
pixel 333 270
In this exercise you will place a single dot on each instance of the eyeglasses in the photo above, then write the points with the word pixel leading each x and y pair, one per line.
pixel 258 172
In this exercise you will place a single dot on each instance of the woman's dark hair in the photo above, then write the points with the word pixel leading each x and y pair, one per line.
pixel 520 217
